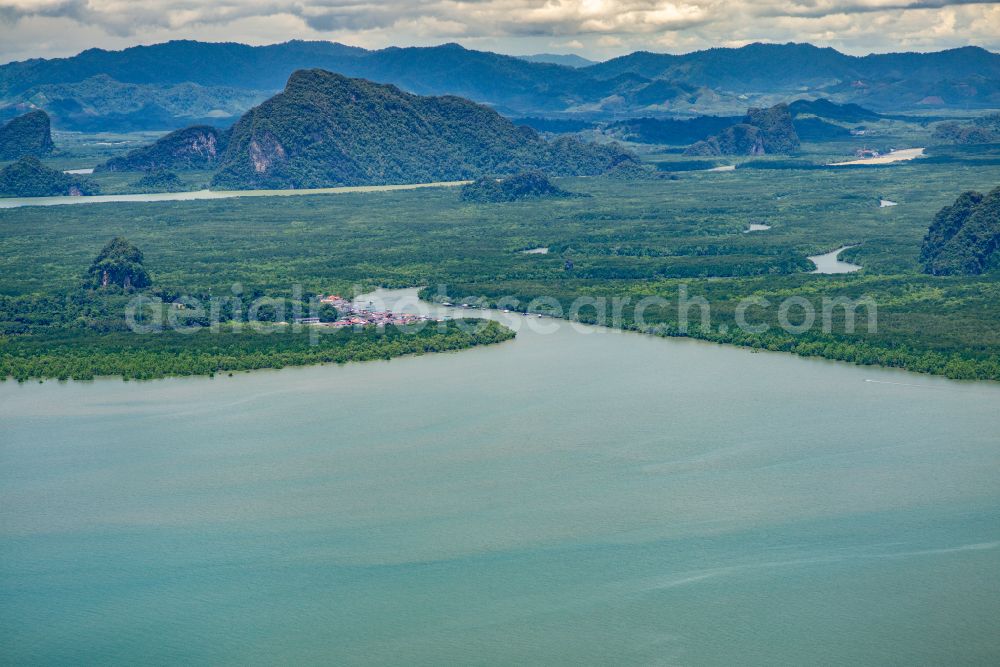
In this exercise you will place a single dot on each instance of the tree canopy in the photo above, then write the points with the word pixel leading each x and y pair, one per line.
pixel 119 263
pixel 30 134
pixel 28 177
pixel 528 185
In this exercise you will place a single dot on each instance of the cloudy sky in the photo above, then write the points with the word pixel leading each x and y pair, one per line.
pixel 593 28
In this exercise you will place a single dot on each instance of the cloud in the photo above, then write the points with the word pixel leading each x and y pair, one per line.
pixel 599 27
pixel 823 8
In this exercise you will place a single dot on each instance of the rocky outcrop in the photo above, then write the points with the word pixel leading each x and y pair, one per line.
pixel 193 148
pixel 762 132
pixel 964 238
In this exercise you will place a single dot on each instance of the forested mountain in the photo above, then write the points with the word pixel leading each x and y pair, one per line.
pixel 176 83
pixel 29 134
pixel 325 129
pixel 762 131
pixel 964 237
pixel 969 76
pixel 198 147
pixel 30 178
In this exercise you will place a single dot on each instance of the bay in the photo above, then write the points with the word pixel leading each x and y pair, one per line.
pixel 575 496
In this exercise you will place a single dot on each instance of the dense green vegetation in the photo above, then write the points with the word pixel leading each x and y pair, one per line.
pixel 30 178
pixel 928 325
pixel 964 237
pixel 762 131
pixel 528 185
pixel 29 134
pixel 159 180
pixel 632 237
pixel 555 125
pixel 83 355
pixel 326 130
pixel 193 148
pixel 118 264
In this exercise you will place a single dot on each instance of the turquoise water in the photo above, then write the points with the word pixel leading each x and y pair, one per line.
pixel 572 498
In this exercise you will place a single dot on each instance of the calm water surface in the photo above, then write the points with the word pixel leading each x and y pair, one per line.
pixel 831 262
pixel 572 498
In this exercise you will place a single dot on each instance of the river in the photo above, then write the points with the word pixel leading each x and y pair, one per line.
pixel 18 202
pixel 581 496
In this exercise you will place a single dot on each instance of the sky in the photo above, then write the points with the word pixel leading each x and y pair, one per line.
pixel 597 29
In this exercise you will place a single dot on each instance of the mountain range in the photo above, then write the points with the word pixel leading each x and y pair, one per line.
pixel 177 83
pixel 325 129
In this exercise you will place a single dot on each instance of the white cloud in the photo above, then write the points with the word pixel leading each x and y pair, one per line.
pixel 596 28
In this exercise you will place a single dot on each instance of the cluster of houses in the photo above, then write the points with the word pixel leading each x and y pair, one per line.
pixel 353 315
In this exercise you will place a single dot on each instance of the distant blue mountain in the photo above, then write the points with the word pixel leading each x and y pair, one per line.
pixel 221 80
pixel 566 60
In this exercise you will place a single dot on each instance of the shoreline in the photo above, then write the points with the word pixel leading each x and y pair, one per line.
pixel 804 348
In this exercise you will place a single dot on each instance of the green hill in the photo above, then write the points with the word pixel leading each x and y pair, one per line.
pixel 964 237
pixel 30 134
pixel 199 147
pixel 159 181
pixel 325 129
pixel 528 185
pixel 30 178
